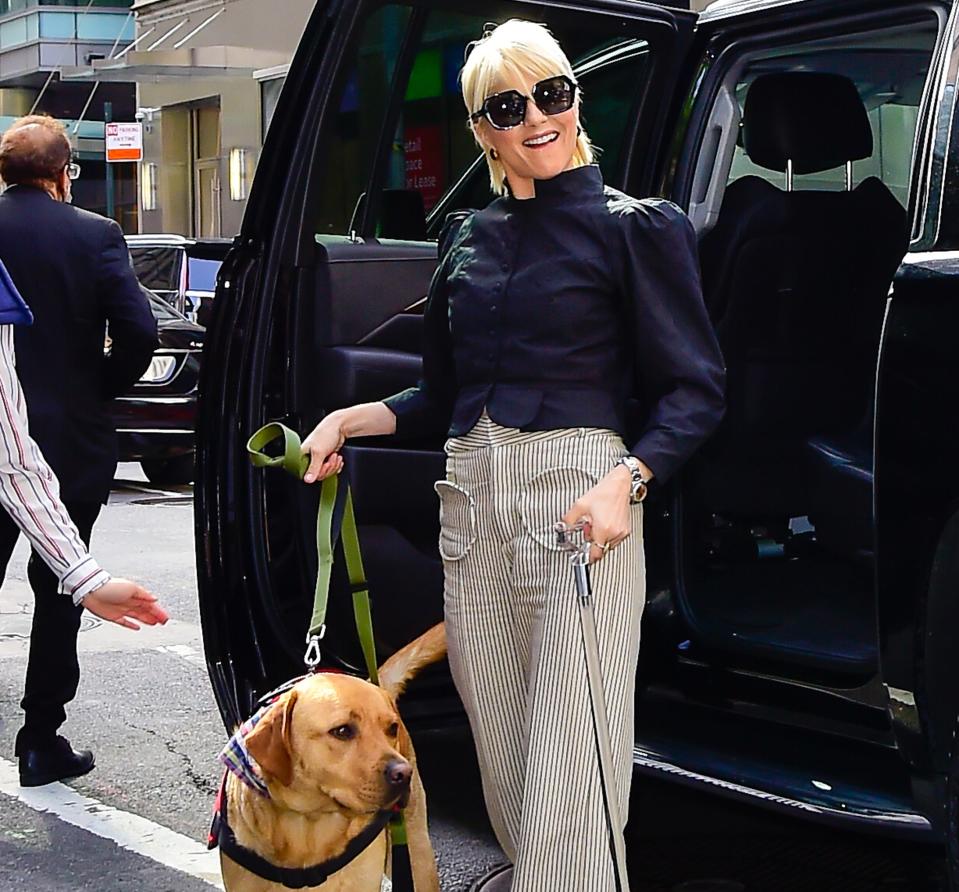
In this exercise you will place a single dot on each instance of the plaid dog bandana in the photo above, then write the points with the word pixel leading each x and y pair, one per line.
pixel 237 758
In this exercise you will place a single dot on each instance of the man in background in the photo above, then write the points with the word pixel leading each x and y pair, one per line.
pixel 73 270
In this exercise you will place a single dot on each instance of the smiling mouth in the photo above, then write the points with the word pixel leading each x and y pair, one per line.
pixel 544 139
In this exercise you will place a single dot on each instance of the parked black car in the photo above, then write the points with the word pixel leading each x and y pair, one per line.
pixel 181 270
pixel 801 636
pixel 156 419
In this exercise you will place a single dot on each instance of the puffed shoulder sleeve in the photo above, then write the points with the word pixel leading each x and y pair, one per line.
pixel 426 410
pixel 679 369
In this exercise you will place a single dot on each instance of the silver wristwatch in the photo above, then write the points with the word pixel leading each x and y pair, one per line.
pixel 638 487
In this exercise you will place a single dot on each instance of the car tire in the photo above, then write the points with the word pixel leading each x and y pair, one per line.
pixel 170 471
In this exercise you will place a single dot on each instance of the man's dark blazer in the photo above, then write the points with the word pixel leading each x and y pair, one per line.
pixel 73 269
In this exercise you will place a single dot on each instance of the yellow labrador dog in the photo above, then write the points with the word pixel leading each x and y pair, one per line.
pixel 333 753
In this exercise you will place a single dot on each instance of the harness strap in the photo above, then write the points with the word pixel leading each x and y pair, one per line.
pixel 291 877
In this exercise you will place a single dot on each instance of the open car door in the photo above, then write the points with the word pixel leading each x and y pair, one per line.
pixel 320 305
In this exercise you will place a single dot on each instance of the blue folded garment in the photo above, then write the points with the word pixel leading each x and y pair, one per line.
pixel 13 308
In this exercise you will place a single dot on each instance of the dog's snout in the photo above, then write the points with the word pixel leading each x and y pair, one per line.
pixel 398 772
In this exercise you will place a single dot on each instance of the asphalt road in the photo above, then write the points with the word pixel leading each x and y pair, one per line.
pixel 145 708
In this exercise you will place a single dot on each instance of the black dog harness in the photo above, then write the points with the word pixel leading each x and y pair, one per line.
pixel 221 834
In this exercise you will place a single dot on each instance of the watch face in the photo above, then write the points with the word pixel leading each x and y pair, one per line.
pixel 638 492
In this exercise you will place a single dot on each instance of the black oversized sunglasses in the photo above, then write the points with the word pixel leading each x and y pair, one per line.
pixel 506 110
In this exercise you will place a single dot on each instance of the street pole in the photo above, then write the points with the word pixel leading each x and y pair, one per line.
pixel 107 118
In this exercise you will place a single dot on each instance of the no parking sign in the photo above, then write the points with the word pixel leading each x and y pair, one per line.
pixel 124 142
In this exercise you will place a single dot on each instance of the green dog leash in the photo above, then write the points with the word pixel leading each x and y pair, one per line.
pixel 294 462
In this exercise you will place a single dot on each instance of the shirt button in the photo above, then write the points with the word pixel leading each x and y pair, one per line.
pixel 492 308
pixel 505 267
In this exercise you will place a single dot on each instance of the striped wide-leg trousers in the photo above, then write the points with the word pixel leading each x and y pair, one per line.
pixel 515 648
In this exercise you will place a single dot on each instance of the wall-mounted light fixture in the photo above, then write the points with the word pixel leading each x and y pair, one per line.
pixel 148 185
pixel 239 173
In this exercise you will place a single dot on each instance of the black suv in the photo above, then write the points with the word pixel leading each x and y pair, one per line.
pixel 801 635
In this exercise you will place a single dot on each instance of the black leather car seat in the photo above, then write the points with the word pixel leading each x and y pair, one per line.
pixel 841 491
pixel 795 283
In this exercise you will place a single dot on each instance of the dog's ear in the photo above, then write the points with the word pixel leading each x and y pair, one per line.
pixel 404 744
pixel 269 742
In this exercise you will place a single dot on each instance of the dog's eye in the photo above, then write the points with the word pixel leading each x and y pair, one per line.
pixel 344 732
pixel 393 730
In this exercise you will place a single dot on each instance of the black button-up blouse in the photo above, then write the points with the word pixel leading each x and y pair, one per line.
pixel 555 311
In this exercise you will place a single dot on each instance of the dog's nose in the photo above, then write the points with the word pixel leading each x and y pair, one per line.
pixel 398 772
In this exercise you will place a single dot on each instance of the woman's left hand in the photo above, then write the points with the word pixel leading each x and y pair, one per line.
pixel 605 508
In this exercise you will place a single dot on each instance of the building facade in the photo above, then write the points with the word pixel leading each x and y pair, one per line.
pixel 207 75
pixel 41 38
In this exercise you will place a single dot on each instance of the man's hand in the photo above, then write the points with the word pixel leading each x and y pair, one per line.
pixel 126 604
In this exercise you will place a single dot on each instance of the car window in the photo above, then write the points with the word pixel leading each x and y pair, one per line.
pixel 432 146
pixel 201 274
pixel 351 136
pixel 889 71
pixel 162 310
pixel 157 268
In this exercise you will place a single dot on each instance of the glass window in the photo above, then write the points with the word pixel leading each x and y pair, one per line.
pixel 14 32
pixel 351 137
pixel 104 26
pixel 157 268
pixel 207 121
pixel 201 274
pixel 889 72
pixel 269 96
pixel 58 25
pixel 162 310
pixel 432 146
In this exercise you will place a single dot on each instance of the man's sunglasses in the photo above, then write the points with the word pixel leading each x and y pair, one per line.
pixel 552 96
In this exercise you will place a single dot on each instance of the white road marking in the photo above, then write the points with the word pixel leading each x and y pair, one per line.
pixel 153 491
pixel 184 652
pixel 128 831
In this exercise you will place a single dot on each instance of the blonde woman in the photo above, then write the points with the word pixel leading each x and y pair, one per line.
pixel 549 308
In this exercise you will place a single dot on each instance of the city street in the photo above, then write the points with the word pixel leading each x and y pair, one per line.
pixel 139 820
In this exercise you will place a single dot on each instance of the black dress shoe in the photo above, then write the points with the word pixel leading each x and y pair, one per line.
pixel 53 762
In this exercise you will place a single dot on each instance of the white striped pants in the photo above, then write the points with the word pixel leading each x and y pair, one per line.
pixel 515 648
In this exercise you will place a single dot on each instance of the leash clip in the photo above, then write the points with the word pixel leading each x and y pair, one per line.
pixel 578 555
pixel 578 551
pixel 312 655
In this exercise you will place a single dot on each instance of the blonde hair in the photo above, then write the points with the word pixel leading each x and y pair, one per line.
pixel 517 48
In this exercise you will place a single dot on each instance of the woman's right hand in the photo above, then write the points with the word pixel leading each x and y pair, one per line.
pixel 322 446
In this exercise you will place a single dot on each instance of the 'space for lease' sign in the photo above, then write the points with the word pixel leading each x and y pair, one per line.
pixel 124 142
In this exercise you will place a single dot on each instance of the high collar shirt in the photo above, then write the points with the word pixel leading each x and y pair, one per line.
pixel 580 307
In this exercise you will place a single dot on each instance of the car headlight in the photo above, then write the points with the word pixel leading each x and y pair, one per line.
pixel 161 369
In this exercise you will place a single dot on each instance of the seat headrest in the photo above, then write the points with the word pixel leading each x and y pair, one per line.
pixel 816 119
